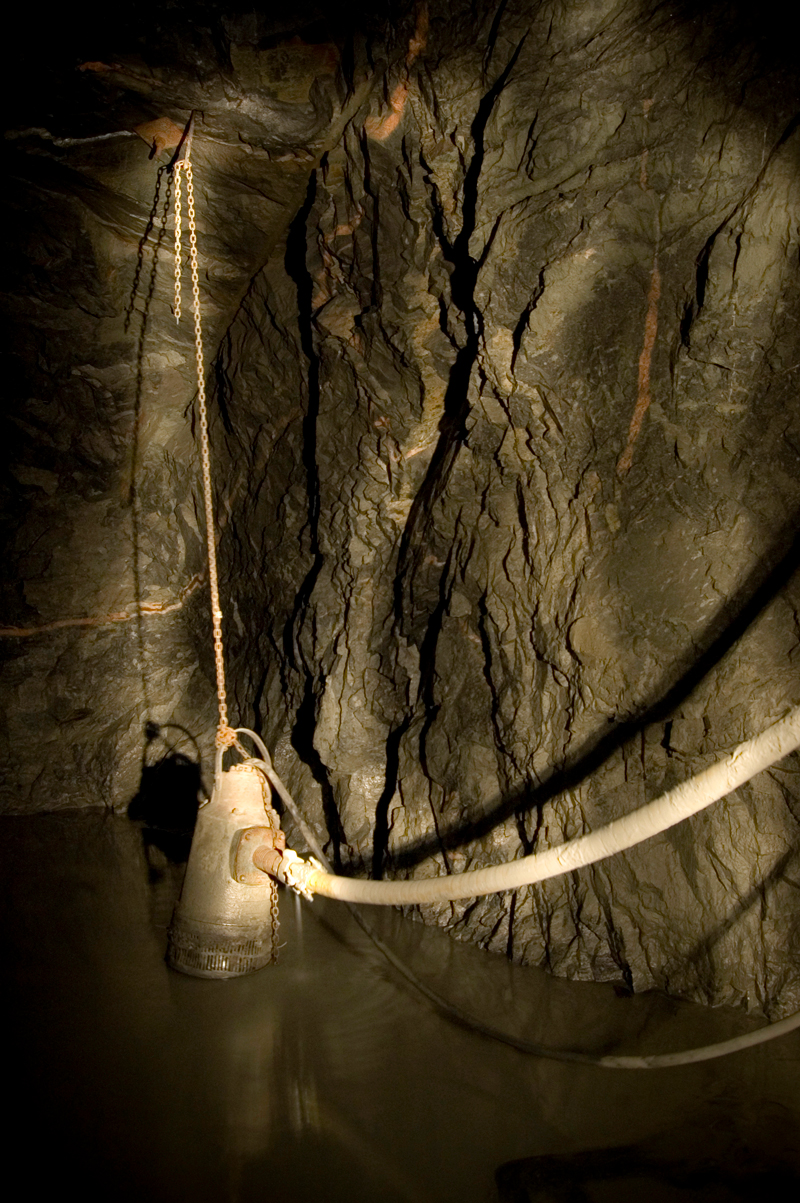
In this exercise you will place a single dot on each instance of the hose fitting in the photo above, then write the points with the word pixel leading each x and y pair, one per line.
pixel 273 857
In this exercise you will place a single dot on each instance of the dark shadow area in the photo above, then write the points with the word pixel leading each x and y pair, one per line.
pixel 170 791
pixel 759 589
pixel 758 894
pixel 144 284
pixel 702 1162
pixel 171 784
pixel 298 270
pixel 732 42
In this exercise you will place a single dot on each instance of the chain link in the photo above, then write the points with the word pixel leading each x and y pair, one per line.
pixel 274 822
pixel 225 736
pixel 275 918
pixel 178 218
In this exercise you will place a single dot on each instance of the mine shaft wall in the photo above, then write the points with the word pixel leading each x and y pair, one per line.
pixel 504 344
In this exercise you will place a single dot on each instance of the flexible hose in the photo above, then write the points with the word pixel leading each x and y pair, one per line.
pixel 678 804
pixel 453 1012
pixel 708 1052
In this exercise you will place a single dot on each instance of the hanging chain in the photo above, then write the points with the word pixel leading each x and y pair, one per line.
pixel 178 228
pixel 275 918
pixel 274 822
pixel 225 736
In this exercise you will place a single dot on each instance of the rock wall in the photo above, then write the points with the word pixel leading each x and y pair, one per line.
pixel 506 438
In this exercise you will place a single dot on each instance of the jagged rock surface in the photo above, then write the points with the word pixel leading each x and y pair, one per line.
pixel 507 443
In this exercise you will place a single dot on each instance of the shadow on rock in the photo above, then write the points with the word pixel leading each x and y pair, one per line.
pixel 170 792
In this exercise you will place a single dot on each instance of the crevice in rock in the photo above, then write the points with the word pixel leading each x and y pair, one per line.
pixel 491 39
pixel 373 192
pixel 523 524
pixel 524 318
pixel 506 762
pixel 298 271
pixel 701 279
pixel 616 945
pixel 223 385
pixel 303 744
pixel 512 911
pixel 463 281
pixel 380 838
pixel 427 664
pixel 703 259
pixel 305 720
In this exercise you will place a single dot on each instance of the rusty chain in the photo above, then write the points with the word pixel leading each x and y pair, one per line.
pixel 274 822
pixel 183 167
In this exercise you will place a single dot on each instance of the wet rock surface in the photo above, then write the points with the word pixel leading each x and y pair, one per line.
pixel 501 311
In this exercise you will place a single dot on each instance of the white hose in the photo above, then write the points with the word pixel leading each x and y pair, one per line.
pixel 680 803
pixel 708 1052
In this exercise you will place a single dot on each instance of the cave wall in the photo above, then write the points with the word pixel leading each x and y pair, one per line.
pixel 502 305
pixel 104 611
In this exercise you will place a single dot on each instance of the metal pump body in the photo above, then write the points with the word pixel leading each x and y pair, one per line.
pixel 223 927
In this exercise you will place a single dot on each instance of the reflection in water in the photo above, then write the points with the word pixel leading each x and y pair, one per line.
pixel 714 1166
pixel 325 1077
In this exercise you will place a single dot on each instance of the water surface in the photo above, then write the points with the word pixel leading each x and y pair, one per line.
pixel 326 1077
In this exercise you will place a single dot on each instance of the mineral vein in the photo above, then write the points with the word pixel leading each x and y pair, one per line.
pixel 101 620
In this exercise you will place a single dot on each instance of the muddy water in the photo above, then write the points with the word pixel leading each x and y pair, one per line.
pixel 327 1078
